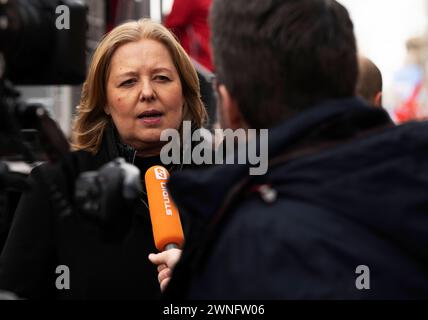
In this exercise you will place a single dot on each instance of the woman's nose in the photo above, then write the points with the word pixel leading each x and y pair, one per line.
pixel 147 93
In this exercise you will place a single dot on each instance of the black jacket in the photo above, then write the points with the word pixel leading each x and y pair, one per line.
pixel 345 188
pixel 44 235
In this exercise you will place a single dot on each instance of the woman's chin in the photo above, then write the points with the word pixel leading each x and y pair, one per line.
pixel 149 147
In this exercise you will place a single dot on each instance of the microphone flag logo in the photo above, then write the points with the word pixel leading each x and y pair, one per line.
pixel 160 173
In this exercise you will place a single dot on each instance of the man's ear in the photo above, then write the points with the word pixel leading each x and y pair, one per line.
pixel 232 117
pixel 378 100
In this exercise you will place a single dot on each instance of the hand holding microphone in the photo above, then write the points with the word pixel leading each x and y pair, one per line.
pixel 167 230
pixel 166 262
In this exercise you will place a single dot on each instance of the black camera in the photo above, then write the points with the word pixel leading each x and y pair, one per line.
pixel 43 41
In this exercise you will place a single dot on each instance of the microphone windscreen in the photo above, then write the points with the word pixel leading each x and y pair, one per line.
pixel 164 215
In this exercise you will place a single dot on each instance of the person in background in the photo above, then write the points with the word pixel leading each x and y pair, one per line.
pixel 188 20
pixel 410 82
pixel 342 212
pixel 140 82
pixel 369 85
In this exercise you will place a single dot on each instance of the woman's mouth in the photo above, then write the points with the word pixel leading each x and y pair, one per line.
pixel 150 117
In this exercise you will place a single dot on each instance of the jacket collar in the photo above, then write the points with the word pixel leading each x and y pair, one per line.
pixel 112 147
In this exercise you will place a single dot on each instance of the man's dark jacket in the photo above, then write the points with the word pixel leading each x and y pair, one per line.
pixel 341 214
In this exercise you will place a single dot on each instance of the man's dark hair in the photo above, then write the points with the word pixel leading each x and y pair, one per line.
pixel 278 57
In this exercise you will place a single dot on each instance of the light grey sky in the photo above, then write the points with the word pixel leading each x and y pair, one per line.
pixel 382 28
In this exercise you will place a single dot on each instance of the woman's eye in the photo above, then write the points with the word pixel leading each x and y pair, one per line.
pixel 128 83
pixel 161 78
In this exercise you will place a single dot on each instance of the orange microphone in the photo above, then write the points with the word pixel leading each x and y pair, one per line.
pixel 166 224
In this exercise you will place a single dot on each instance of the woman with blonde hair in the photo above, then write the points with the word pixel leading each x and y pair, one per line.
pixel 139 83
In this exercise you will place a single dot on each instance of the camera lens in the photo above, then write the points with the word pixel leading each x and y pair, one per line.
pixel 27 35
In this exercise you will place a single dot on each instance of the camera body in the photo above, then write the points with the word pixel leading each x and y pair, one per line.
pixel 33 50
pixel 42 42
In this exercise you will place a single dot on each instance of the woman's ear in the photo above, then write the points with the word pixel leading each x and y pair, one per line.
pixel 230 115
pixel 107 110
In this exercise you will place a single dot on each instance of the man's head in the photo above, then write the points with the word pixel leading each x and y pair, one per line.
pixel 369 86
pixel 274 58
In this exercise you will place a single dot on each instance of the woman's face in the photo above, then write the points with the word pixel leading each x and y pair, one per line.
pixel 144 94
